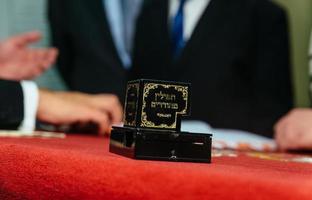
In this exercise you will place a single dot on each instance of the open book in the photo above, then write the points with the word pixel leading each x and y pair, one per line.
pixel 231 139
pixel 30 134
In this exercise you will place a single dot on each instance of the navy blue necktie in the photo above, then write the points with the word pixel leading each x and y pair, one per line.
pixel 177 30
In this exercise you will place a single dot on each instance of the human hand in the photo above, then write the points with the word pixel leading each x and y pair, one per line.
pixel 294 131
pixel 67 108
pixel 108 103
pixel 19 62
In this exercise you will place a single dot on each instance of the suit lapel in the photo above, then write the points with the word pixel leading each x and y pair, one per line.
pixel 160 21
pixel 206 26
pixel 96 9
pixel 166 32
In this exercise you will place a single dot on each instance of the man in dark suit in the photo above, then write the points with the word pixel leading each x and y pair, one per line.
pixel 93 40
pixel 234 53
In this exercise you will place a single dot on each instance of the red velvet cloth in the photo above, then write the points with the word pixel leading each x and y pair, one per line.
pixel 80 167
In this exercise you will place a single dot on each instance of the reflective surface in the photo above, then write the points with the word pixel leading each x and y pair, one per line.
pixel 161 145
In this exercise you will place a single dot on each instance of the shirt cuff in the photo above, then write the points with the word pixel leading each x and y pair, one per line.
pixel 31 100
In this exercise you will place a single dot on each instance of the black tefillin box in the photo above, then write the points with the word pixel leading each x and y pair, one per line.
pixel 152 122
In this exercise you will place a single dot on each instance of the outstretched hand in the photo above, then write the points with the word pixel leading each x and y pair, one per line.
pixel 19 62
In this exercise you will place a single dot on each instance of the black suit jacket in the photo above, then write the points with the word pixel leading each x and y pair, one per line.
pixel 88 59
pixel 237 61
pixel 11 104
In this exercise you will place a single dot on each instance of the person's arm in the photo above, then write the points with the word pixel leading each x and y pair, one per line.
pixel 11 104
pixel 22 103
pixel 271 74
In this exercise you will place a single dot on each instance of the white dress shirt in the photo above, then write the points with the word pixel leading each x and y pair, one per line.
pixel 31 100
pixel 122 22
pixel 193 10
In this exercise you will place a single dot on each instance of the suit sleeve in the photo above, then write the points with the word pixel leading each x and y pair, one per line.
pixel 272 77
pixel 11 104
pixel 58 24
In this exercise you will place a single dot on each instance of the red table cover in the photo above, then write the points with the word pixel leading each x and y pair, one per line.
pixel 80 167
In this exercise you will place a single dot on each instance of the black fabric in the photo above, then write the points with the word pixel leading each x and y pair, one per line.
pixel 11 104
pixel 237 61
pixel 88 59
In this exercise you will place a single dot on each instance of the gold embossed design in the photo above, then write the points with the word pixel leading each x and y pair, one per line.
pixel 147 87
pixel 129 86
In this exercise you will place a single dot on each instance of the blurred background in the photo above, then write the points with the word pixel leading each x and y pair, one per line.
pixel 18 16
pixel 300 21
